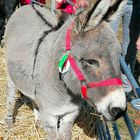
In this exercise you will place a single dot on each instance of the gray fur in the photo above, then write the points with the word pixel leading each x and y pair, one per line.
pixel 59 101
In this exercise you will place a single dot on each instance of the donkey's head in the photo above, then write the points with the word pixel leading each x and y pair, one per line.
pixel 96 51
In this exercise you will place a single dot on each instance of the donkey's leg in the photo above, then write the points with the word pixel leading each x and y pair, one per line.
pixel 50 124
pixel 37 115
pixel 11 91
pixel 65 125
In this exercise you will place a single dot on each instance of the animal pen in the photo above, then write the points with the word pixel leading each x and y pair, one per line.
pixel 104 130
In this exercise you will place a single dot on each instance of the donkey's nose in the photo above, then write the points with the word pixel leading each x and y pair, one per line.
pixel 116 112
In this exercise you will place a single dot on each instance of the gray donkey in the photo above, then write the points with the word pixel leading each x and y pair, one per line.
pixel 35 42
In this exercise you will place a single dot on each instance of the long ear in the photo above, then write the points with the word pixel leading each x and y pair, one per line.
pixel 100 10
pixel 114 9
pixel 96 14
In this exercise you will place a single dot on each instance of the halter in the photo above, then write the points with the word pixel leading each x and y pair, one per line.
pixel 26 2
pixel 66 6
pixel 84 85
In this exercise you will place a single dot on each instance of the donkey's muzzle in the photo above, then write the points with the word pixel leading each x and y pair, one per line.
pixel 116 112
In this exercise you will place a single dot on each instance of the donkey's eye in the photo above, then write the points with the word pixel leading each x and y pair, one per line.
pixel 92 62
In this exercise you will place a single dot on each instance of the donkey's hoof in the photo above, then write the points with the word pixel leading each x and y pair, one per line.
pixel 9 123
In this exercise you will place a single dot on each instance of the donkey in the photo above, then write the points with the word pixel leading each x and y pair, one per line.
pixel 35 48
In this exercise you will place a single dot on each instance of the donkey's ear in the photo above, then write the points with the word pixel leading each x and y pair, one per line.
pixel 98 11
pixel 115 7
pixel 92 16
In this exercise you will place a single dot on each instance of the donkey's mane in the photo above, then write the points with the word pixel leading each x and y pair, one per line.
pixel 61 19
pixel 46 32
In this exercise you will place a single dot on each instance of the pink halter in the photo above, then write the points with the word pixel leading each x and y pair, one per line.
pixel 66 7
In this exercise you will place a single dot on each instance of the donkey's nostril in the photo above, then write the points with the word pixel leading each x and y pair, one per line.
pixel 116 112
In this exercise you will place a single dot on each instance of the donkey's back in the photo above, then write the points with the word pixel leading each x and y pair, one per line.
pixel 24 33
pixel 27 23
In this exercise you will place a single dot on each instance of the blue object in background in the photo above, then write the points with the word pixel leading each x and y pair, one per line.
pixel 137 136
pixel 136 103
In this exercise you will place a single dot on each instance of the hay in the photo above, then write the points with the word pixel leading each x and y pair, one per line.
pixel 24 126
